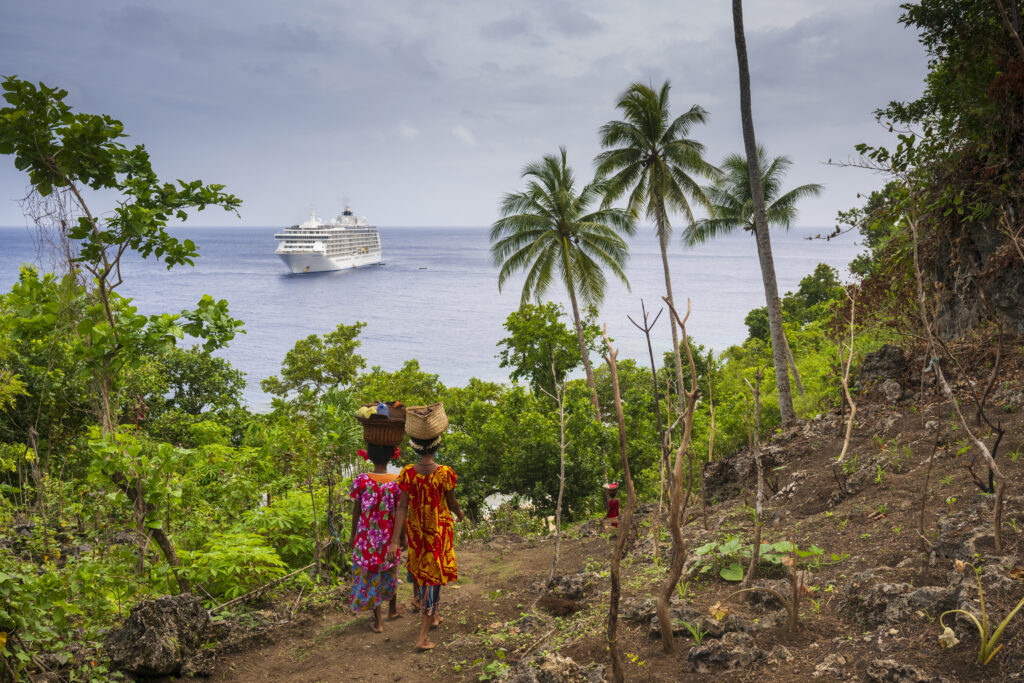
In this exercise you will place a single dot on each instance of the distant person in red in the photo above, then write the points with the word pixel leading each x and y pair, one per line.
pixel 611 503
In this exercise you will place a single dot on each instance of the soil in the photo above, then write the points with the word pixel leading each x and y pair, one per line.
pixel 493 619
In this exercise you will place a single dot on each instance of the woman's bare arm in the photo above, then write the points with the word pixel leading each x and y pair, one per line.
pixel 400 515
pixel 357 510
pixel 453 505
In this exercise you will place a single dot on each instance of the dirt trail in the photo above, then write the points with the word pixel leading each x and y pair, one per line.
pixel 339 646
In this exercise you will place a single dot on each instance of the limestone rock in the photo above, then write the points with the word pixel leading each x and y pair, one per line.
pixel 733 651
pixel 160 637
pixel 888 362
pixel 891 671
pixel 553 668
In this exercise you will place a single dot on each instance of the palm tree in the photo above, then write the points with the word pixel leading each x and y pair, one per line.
pixel 546 231
pixel 733 207
pixel 764 246
pixel 651 158
pixel 731 198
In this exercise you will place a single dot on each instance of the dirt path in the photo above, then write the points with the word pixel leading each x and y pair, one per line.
pixel 338 646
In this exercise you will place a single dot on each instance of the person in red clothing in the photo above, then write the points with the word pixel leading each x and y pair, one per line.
pixel 611 503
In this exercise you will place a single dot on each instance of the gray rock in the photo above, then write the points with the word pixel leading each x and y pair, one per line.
pixel 874 603
pixel 573 586
pixel 888 362
pixel 725 478
pixel 160 637
pixel 734 651
pixel 892 390
pixel 832 665
pixel 892 603
pixel 891 671
pixel 553 668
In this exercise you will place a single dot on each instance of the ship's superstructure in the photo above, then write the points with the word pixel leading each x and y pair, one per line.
pixel 318 245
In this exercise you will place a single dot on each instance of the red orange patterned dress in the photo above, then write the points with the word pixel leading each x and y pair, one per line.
pixel 429 526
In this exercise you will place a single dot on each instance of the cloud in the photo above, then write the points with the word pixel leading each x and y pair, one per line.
pixel 407 132
pixel 463 135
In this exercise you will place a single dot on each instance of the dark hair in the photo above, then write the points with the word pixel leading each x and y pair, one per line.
pixel 379 455
pixel 613 492
pixel 425 446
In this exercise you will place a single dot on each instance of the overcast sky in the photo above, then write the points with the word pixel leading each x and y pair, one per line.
pixel 424 113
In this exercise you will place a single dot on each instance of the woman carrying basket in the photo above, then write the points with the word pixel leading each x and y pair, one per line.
pixel 425 508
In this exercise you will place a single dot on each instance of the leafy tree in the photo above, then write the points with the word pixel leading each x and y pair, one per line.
pixel 819 288
pixel 67 155
pixel 319 361
pixel 197 381
pixel 651 158
pixel 74 160
pixel 548 228
pixel 539 343
pixel 756 321
pixel 409 384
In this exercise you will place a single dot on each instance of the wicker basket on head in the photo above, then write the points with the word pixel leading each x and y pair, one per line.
pixel 425 422
pixel 385 431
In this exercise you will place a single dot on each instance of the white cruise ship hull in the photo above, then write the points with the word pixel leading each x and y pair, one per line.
pixel 317 263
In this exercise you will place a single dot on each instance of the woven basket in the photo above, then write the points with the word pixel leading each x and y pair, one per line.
pixel 425 422
pixel 384 431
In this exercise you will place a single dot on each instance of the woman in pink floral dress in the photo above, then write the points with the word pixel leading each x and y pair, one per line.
pixel 373 523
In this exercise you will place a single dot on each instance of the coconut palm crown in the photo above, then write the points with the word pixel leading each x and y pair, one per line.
pixel 733 205
pixel 547 231
pixel 650 156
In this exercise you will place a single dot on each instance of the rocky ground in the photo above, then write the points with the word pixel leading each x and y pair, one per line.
pixel 868 610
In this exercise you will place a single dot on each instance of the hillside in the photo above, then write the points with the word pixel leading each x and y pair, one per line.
pixel 874 595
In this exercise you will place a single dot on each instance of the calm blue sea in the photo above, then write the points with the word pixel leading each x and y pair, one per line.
pixel 436 298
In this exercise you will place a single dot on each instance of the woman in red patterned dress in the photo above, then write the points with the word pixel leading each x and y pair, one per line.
pixel 374 579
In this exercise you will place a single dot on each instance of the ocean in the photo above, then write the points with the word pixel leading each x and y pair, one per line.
pixel 436 298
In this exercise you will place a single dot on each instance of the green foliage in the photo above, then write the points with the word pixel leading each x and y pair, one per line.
pixel 731 555
pixel 319 361
pixel 410 384
pixel 234 563
pixel 539 343
pixel 60 149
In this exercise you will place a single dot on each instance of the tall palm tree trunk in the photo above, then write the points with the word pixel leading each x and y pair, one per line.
pixel 579 333
pixel 663 243
pixel 764 247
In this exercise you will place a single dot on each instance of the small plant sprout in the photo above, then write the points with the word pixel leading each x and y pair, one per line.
pixel 897 529
pixel 946 481
pixel 950 502
pixel 698 635
pixel 879 474
pixel 989 639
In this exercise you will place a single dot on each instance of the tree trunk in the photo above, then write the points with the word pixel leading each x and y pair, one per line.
pixel 560 394
pixel 764 247
pixel 755 554
pixel 625 526
pixel 662 219
pixel 162 540
pixel 582 340
pixel 678 544
pixel 792 366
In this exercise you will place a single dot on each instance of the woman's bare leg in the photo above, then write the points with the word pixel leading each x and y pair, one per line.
pixel 378 623
pixel 424 642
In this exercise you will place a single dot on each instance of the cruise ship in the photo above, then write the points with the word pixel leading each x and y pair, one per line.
pixel 318 245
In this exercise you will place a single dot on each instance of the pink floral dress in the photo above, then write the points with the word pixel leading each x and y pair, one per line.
pixel 373 576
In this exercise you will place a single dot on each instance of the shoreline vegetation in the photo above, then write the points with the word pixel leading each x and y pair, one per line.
pixel 134 481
